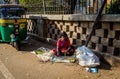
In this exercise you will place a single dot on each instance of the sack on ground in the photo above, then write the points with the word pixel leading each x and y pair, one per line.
pixel 86 57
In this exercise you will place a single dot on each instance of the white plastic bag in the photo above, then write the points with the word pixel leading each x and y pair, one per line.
pixel 45 56
pixel 86 57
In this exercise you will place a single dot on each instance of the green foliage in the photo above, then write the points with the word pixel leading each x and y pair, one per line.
pixel 23 2
pixel 113 8
pixel 34 2
pixel 29 2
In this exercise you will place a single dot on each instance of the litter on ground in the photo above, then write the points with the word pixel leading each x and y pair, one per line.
pixel 84 55
pixel 45 54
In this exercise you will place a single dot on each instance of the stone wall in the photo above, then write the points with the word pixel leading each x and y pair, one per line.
pixel 106 37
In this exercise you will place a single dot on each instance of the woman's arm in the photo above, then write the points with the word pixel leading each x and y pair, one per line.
pixel 58 47
pixel 68 44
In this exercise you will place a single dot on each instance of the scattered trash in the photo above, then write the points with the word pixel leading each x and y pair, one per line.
pixel 92 70
pixel 86 57
pixel 43 53
pixel 44 57
pixel 42 50
pixel 63 59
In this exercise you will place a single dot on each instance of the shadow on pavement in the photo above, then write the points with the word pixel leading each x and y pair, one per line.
pixel 103 63
pixel 32 45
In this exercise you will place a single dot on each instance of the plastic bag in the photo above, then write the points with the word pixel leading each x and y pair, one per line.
pixel 43 49
pixel 63 59
pixel 86 57
pixel 44 57
pixel 44 54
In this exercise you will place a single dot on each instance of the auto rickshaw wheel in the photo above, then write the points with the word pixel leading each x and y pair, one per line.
pixel 16 45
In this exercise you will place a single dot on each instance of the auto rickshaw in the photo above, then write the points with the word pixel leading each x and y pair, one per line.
pixel 13 28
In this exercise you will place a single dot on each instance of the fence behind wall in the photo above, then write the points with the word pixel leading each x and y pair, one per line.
pixel 73 7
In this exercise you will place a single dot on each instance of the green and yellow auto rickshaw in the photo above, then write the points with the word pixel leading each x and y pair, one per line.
pixel 13 28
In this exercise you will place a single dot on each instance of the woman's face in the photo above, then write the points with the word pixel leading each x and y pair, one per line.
pixel 63 38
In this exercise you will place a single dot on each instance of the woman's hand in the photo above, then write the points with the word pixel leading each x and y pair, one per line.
pixel 64 51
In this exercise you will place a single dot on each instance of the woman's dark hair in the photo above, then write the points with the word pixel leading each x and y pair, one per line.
pixel 63 34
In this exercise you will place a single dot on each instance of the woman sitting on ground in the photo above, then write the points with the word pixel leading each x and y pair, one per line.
pixel 64 47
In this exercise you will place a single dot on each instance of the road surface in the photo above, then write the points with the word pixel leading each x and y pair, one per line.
pixel 25 65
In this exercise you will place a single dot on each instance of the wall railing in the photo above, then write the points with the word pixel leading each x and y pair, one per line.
pixel 73 7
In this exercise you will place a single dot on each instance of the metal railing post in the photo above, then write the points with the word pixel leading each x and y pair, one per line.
pixel 44 9
pixel 95 22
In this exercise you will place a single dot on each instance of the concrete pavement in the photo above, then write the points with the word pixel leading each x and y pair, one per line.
pixel 5 72
pixel 25 65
